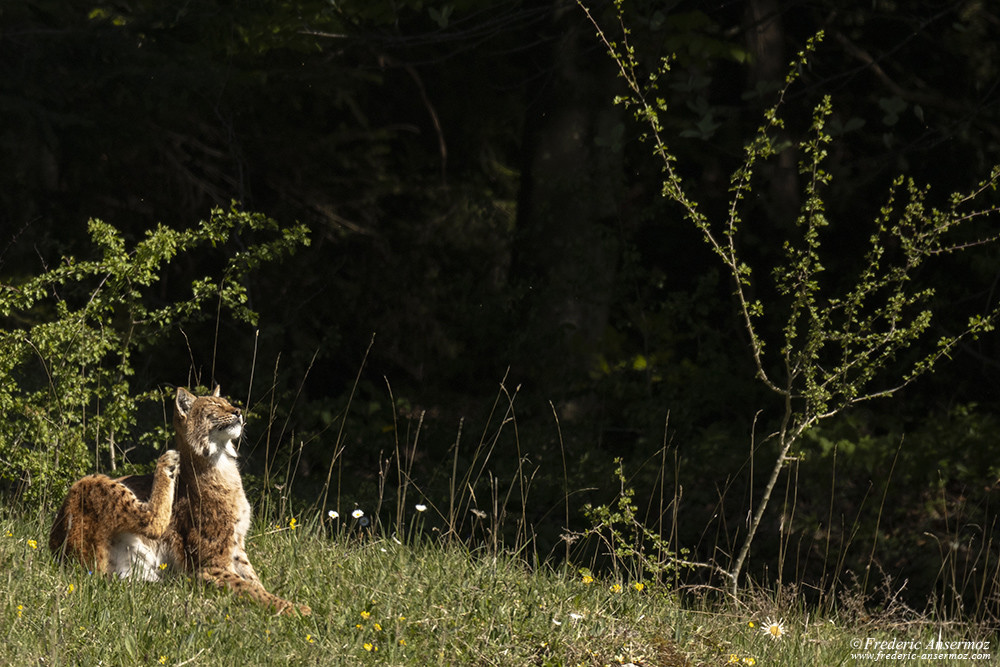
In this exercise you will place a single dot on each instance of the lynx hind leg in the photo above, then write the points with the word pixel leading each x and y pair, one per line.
pixel 83 526
pixel 252 589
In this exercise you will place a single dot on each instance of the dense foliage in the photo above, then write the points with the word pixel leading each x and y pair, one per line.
pixel 75 334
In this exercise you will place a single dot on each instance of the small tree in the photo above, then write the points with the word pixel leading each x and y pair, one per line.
pixel 837 348
pixel 68 337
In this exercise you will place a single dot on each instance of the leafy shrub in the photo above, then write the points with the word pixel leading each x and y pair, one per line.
pixel 820 345
pixel 69 338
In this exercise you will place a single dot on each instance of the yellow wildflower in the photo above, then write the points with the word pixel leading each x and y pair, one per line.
pixel 365 614
pixel 309 638
pixel 291 524
pixel 33 544
pixel 378 628
pixel 639 586
pixel 587 579
pixel 616 588
pixel 370 647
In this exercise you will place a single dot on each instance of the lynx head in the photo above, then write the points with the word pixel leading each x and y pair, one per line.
pixel 207 425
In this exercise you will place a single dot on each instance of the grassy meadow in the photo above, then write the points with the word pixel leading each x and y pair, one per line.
pixel 379 600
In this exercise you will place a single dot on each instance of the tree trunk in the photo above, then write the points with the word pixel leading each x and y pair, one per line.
pixel 566 252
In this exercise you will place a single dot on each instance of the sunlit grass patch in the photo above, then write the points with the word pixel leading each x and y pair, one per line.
pixel 384 601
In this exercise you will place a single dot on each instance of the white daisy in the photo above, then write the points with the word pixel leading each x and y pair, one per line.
pixel 775 629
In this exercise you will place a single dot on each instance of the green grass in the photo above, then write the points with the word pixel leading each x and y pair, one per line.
pixel 377 601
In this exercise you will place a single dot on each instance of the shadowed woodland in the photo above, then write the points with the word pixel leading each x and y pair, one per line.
pixel 442 240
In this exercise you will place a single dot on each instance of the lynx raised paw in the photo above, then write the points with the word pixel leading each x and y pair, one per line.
pixel 169 463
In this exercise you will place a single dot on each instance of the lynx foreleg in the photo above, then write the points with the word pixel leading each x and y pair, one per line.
pixel 161 501
pixel 252 589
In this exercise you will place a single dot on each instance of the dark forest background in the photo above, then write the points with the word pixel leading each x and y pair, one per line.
pixel 477 201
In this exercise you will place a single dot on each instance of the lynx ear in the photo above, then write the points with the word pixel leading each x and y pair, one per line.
pixel 217 392
pixel 185 399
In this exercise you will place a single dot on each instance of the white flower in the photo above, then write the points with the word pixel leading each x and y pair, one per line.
pixel 357 514
pixel 333 514
pixel 421 508
pixel 773 629
pixel 575 616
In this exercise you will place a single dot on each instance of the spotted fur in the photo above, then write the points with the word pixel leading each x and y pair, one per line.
pixel 114 525
pixel 196 522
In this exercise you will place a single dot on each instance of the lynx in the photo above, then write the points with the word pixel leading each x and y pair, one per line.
pixel 194 521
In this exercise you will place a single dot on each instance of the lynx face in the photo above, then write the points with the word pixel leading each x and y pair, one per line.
pixel 210 425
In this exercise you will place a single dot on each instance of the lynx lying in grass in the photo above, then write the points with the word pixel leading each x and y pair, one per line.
pixel 198 522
